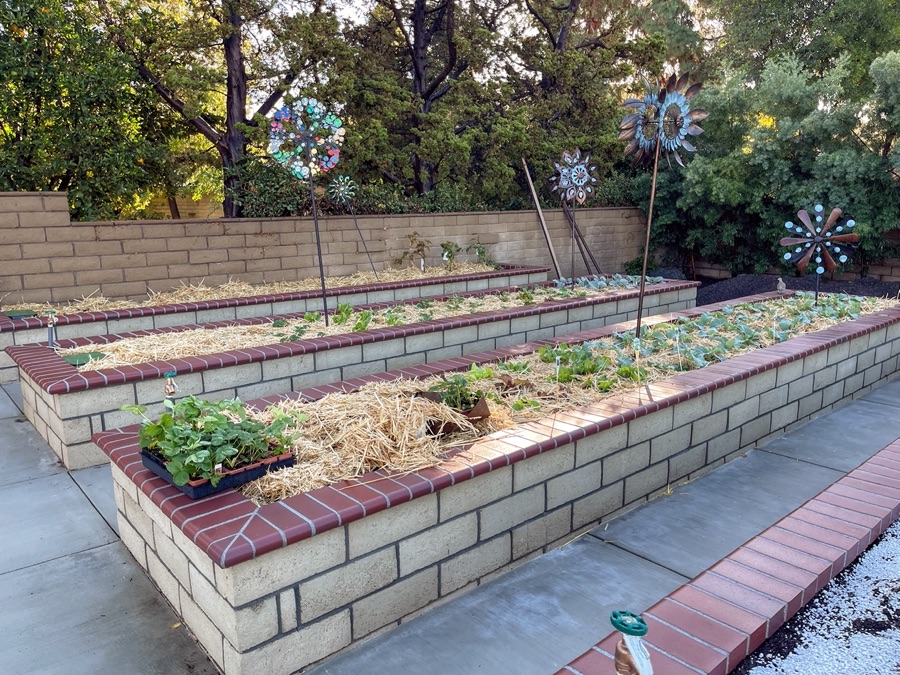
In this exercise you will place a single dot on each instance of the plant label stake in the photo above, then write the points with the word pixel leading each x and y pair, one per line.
pixel 820 241
pixel 663 117
pixel 632 657
pixel 307 140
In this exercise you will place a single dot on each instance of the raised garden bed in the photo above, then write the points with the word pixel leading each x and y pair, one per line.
pixel 273 588
pixel 67 407
pixel 18 331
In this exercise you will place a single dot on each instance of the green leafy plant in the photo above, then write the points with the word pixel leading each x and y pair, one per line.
pixel 312 317
pixel 418 249
pixel 481 253
pixel 393 316
pixel 199 439
pixel 296 333
pixel 457 392
pixel 526 296
pixel 342 316
pixel 449 249
pixel 363 319
pixel 279 323
pixel 424 303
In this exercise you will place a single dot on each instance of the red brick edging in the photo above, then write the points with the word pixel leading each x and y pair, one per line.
pixel 713 622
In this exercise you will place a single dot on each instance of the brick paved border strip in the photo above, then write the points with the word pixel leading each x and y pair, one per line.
pixel 713 622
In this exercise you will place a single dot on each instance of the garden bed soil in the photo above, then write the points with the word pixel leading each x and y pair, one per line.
pixel 276 587
pixel 66 406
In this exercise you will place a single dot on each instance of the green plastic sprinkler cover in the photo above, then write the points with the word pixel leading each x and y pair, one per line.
pixel 19 313
pixel 83 359
pixel 628 623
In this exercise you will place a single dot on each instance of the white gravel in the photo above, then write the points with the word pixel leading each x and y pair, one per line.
pixel 829 643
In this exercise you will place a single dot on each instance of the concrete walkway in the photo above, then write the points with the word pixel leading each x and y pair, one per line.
pixel 74 601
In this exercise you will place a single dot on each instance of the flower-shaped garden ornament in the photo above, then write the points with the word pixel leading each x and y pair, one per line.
pixel 828 244
pixel 342 190
pixel 575 178
pixel 663 116
pixel 306 138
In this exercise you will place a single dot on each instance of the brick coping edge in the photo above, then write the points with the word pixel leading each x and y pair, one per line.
pixel 56 376
pixel 11 325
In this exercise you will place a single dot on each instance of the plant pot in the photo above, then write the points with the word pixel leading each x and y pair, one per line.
pixel 479 411
pixel 195 489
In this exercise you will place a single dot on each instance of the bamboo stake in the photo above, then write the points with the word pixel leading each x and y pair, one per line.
pixel 312 196
pixel 363 240
pixel 540 213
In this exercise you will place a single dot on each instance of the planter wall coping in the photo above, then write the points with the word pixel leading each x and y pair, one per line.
pixel 56 376
pixel 230 529
pixel 9 325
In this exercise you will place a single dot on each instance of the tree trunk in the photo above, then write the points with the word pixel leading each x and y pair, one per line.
pixel 173 208
pixel 234 147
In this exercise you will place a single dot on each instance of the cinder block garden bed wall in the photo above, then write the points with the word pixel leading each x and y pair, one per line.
pixel 272 589
pixel 67 407
pixel 86 324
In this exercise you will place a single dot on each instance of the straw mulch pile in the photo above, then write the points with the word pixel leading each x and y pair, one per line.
pixel 200 341
pixel 382 426
pixel 237 289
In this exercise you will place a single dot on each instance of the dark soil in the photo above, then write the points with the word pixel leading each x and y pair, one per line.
pixel 748 284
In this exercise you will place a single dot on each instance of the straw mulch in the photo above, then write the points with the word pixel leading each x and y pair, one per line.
pixel 382 426
pixel 238 289
pixel 201 341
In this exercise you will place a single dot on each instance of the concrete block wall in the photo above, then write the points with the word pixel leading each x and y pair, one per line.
pixel 47 258
pixel 66 409
pixel 297 604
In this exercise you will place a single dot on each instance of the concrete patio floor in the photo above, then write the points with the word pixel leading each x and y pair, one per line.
pixel 75 601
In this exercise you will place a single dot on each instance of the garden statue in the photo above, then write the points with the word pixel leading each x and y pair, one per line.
pixel 663 118
pixel 632 657
pixel 820 243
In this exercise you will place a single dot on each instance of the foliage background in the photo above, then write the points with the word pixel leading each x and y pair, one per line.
pixel 119 100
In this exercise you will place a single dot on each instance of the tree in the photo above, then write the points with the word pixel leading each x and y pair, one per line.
pixel 793 140
pixel 204 60
pixel 816 33
pixel 70 111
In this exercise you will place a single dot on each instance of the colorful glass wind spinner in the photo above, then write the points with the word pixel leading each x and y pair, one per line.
pixel 574 179
pixel 820 243
pixel 306 138
pixel 342 190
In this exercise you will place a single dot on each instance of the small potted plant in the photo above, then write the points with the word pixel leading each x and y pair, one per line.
pixel 457 392
pixel 204 447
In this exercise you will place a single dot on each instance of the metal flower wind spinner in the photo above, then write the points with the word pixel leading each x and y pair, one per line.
pixel 342 190
pixel 820 243
pixel 306 138
pixel 821 240
pixel 664 118
pixel 575 178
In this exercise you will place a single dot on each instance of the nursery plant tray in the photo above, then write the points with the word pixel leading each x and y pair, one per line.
pixel 197 489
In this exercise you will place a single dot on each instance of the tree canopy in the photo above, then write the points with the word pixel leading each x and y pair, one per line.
pixel 115 99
